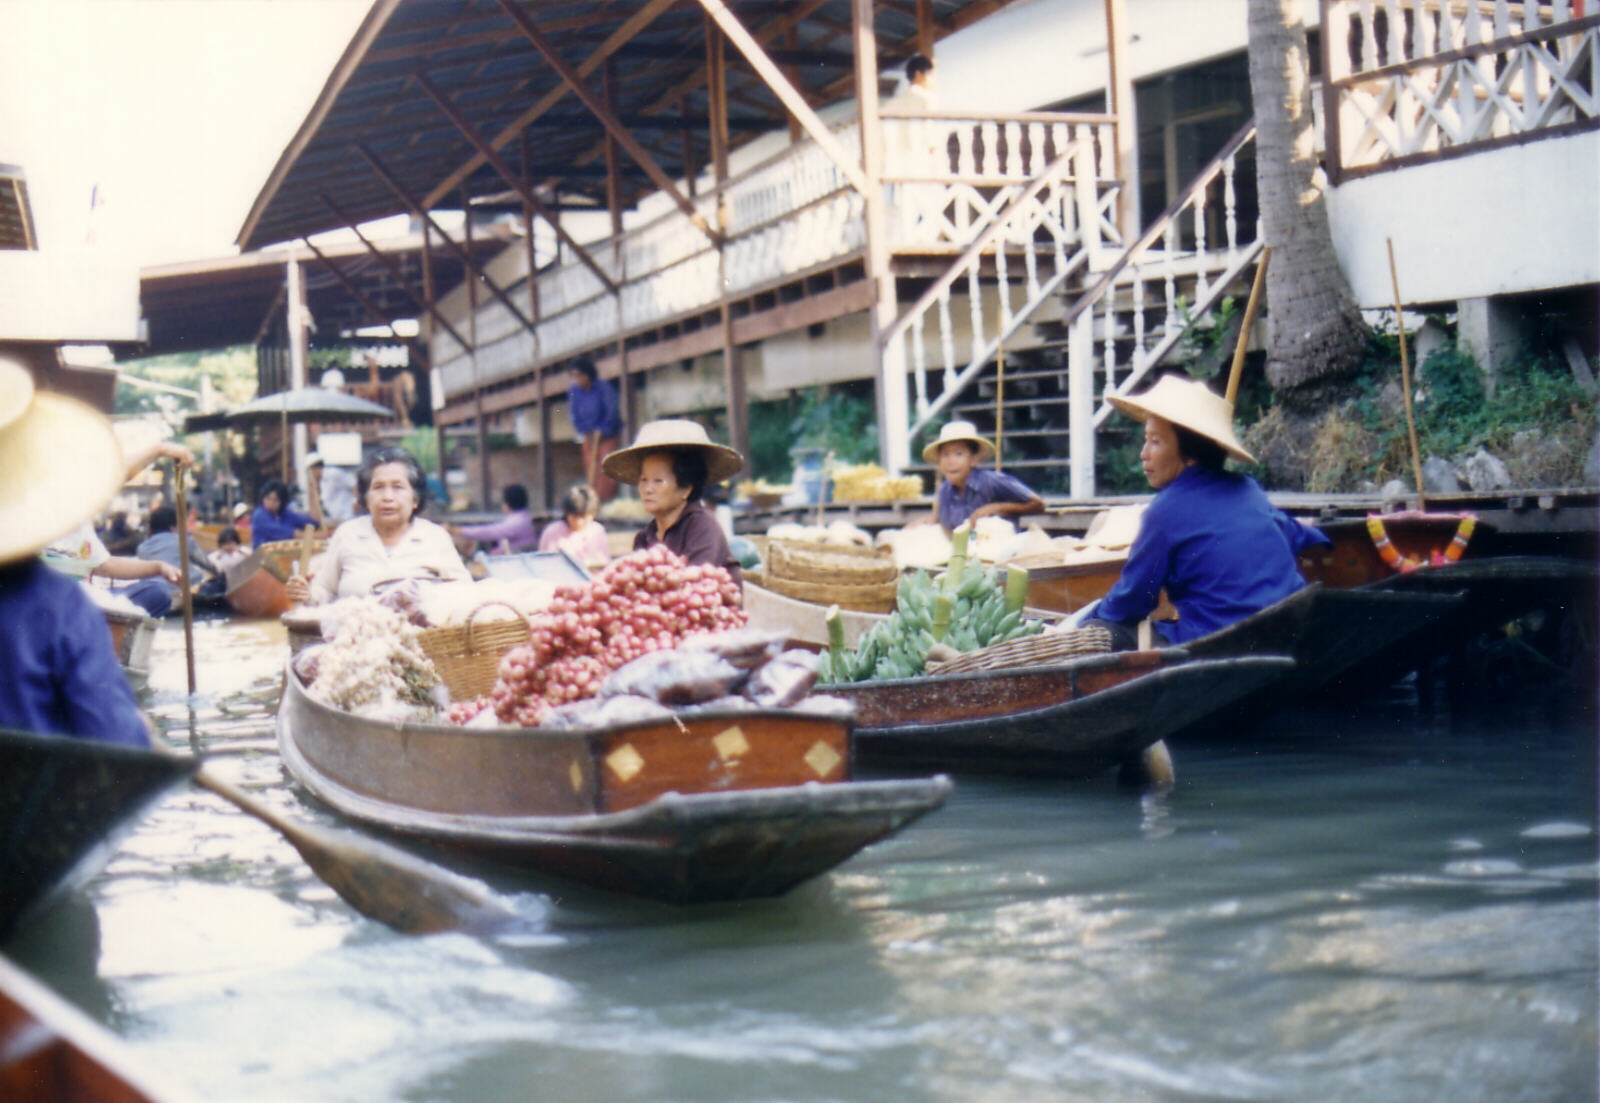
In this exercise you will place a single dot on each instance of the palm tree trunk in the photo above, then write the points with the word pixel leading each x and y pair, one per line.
pixel 1317 335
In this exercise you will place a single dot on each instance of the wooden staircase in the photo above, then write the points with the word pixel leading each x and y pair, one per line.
pixel 1105 319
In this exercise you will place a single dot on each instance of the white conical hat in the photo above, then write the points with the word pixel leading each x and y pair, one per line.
pixel 958 430
pixel 672 435
pixel 1191 404
pixel 59 464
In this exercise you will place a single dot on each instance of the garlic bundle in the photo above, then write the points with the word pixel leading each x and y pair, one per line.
pixel 375 667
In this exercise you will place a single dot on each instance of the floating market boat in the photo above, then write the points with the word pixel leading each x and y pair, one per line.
pixel 64 805
pixel 805 623
pixel 256 586
pixel 702 806
pixel 132 636
pixel 1070 719
pixel 50 1052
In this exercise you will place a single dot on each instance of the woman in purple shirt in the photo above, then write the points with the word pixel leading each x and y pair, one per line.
pixel 515 532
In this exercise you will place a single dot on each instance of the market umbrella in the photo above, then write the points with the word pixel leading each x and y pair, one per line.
pixel 291 408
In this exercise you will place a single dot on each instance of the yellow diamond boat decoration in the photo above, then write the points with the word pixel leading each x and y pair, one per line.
pixel 823 758
pixel 576 774
pixel 731 744
pixel 625 762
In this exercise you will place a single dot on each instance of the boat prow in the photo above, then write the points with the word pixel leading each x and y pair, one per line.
pixel 64 806
pixel 704 806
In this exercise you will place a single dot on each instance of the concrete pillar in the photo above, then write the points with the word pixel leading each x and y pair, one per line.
pixel 1491 331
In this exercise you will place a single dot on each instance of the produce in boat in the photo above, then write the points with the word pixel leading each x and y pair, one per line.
pixel 966 611
pixel 646 602
pixel 373 665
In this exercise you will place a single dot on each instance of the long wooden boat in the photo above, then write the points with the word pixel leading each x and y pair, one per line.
pixel 1070 719
pixel 709 806
pixel 254 591
pixel 50 1052
pixel 64 805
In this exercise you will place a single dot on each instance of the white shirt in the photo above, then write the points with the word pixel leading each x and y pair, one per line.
pixel 77 553
pixel 357 560
pixel 338 492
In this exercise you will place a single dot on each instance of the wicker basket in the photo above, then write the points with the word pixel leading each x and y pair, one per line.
pixel 874 597
pixel 848 565
pixel 281 558
pixel 467 656
pixel 1041 650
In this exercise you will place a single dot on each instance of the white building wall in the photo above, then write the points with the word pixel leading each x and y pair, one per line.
pixel 1524 218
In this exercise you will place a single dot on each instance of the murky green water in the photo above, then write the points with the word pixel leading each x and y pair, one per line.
pixel 1374 904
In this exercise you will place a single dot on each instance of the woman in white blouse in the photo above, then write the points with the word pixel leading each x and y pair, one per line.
pixel 387 540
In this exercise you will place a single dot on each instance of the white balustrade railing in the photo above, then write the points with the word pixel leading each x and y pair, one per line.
pixel 1418 79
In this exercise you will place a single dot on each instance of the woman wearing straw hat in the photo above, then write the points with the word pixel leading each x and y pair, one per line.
pixel 672 462
pixel 61 675
pixel 1209 537
pixel 968 492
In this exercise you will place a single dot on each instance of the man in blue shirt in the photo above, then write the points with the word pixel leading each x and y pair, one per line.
pixel 1209 537
pixel 592 405
pixel 968 492
pixel 58 673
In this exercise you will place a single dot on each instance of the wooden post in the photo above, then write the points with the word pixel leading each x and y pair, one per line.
pixel 435 380
pixel 183 572
pixel 1119 102
pixel 298 325
pixel 733 378
pixel 925 28
pixel 484 500
pixel 894 408
pixel 546 478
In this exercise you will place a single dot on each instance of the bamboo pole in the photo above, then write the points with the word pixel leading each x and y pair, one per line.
pixel 1405 379
pixel 1243 344
pixel 999 401
pixel 183 572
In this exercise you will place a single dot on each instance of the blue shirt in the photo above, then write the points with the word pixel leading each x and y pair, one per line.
pixel 1217 546
pixel 265 528
pixel 983 486
pixel 595 409
pixel 60 675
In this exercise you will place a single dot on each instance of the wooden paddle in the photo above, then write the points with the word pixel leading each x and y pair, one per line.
pixel 183 573
pixel 382 882
pixel 1405 379
pixel 1250 309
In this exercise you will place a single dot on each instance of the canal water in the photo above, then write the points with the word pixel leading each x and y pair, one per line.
pixel 1375 901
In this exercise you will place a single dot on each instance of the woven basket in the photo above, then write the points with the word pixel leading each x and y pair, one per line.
pixel 282 557
pixel 874 597
pixel 467 656
pixel 845 565
pixel 1041 650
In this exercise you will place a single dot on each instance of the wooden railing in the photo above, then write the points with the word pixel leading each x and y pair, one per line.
pixel 789 214
pixel 1408 81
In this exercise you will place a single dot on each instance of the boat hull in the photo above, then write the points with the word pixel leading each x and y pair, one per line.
pixel 1073 719
pixel 254 591
pixel 772 805
pixel 64 806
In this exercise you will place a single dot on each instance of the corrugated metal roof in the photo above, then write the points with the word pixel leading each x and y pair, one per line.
pixel 651 54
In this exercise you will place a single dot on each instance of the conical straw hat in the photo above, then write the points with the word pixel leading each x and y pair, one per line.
pixel 672 435
pixel 59 464
pixel 1191 404
pixel 958 430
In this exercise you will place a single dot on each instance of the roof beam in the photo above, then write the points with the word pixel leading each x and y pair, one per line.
pixel 518 184
pixel 636 23
pixel 791 99
pixel 349 285
pixel 615 129
pixel 461 253
pixel 394 270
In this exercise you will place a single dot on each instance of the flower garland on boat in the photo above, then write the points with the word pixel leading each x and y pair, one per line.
pixel 1405 563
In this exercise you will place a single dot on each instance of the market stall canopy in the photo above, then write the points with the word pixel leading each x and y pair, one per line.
pixel 307 404
pixel 380 127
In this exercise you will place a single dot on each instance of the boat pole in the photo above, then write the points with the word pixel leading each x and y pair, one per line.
pixel 1243 344
pixel 183 573
pixel 1405 378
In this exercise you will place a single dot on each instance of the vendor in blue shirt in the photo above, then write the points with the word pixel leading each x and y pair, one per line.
pixel 968 492
pixel 592 405
pixel 273 519
pixel 1209 537
pixel 58 673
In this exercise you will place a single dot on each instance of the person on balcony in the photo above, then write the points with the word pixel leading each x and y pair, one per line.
pixel 1209 537
pixel 968 492
pixel 672 462
pixel 916 147
pixel 514 532
pixel 592 405
pixel 273 520
pixel 578 533
pixel 61 674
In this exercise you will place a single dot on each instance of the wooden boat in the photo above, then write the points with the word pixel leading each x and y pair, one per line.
pixel 132 636
pixel 50 1052
pixel 1070 719
pixel 709 806
pixel 64 804
pixel 256 585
